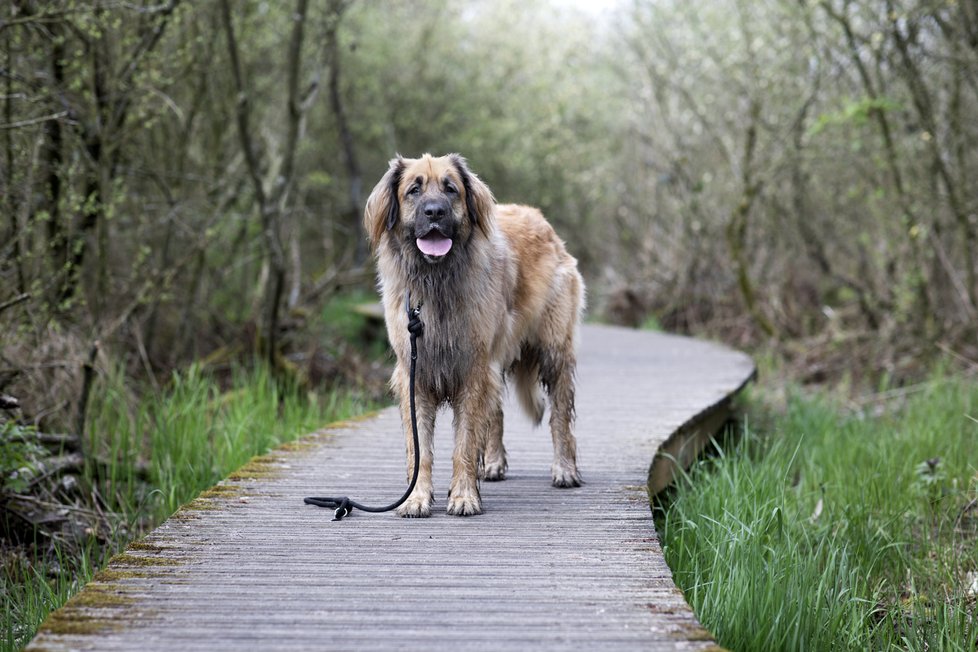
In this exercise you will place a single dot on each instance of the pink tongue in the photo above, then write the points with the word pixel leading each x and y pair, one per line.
pixel 434 245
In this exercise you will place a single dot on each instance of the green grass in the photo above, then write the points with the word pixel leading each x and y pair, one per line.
pixel 820 530
pixel 345 325
pixel 29 591
pixel 162 451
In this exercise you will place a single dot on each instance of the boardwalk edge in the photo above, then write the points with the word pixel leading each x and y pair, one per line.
pixel 682 447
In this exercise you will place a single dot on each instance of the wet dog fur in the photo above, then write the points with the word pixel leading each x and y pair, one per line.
pixel 504 301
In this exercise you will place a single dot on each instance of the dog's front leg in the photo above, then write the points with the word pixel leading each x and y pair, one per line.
pixel 418 504
pixel 474 413
pixel 463 492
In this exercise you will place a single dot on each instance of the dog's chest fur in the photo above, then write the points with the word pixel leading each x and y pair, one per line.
pixel 458 301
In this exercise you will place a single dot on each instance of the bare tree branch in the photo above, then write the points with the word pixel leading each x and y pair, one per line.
pixel 34 121
pixel 10 303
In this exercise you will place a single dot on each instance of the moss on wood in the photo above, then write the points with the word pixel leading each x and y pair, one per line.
pixel 125 559
pixel 221 491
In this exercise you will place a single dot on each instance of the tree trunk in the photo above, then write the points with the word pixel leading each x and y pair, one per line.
pixel 13 233
pixel 737 226
pixel 271 205
pixel 337 7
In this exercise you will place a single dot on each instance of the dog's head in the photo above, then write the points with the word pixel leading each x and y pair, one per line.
pixel 432 205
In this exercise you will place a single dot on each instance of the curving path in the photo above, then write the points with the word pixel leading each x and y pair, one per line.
pixel 248 567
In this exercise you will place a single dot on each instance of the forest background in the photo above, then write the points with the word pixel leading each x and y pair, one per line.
pixel 181 177
pixel 182 182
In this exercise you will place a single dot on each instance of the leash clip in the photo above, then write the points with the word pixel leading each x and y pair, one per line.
pixel 412 312
pixel 415 325
pixel 342 509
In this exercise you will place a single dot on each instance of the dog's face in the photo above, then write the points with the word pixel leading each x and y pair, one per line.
pixel 429 207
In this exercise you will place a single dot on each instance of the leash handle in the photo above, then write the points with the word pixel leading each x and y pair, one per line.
pixel 343 505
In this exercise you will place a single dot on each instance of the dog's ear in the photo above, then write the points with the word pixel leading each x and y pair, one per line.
pixel 383 207
pixel 479 202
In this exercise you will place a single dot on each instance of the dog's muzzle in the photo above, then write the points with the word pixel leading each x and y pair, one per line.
pixel 433 229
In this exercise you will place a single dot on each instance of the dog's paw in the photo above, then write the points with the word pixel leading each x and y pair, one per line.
pixel 416 506
pixel 495 470
pixel 464 503
pixel 565 477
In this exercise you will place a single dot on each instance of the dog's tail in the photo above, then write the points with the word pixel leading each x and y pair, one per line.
pixel 528 390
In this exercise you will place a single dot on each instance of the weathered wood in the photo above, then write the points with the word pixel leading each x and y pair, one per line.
pixel 248 566
pixel 373 310
pixel 685 445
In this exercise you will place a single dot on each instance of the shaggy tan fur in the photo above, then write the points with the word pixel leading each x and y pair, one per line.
pixel 504 300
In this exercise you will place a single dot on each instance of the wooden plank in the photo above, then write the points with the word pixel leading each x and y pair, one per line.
pixel 250 566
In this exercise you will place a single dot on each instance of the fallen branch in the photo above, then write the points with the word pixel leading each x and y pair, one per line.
pixel 10 303
pixel 55 441
pixel 58 466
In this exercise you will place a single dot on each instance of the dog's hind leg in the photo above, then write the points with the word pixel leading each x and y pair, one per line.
pixel 494 457
pixel 557 373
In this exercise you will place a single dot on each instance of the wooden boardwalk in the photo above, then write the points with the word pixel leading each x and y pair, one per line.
pixel 248 566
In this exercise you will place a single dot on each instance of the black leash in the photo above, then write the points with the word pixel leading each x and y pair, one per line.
pixel 343 505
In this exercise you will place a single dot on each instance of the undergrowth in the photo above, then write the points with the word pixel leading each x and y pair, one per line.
pixel 155 454
pixel 819 529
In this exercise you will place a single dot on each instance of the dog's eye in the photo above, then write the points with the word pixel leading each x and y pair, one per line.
pixel 450 189
pixel 413 190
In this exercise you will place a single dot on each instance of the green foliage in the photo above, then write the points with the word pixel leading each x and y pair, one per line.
pixel 855 112
pixel 822 531
pixel 651 323
pixel 348 322
pixel 341 316
pixel 518 88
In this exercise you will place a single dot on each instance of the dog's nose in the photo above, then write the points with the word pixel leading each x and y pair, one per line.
pixel 435 210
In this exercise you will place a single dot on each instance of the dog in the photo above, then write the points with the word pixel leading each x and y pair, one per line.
pixel 501 299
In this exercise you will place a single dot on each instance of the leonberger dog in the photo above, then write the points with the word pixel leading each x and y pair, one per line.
pixel 502 299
